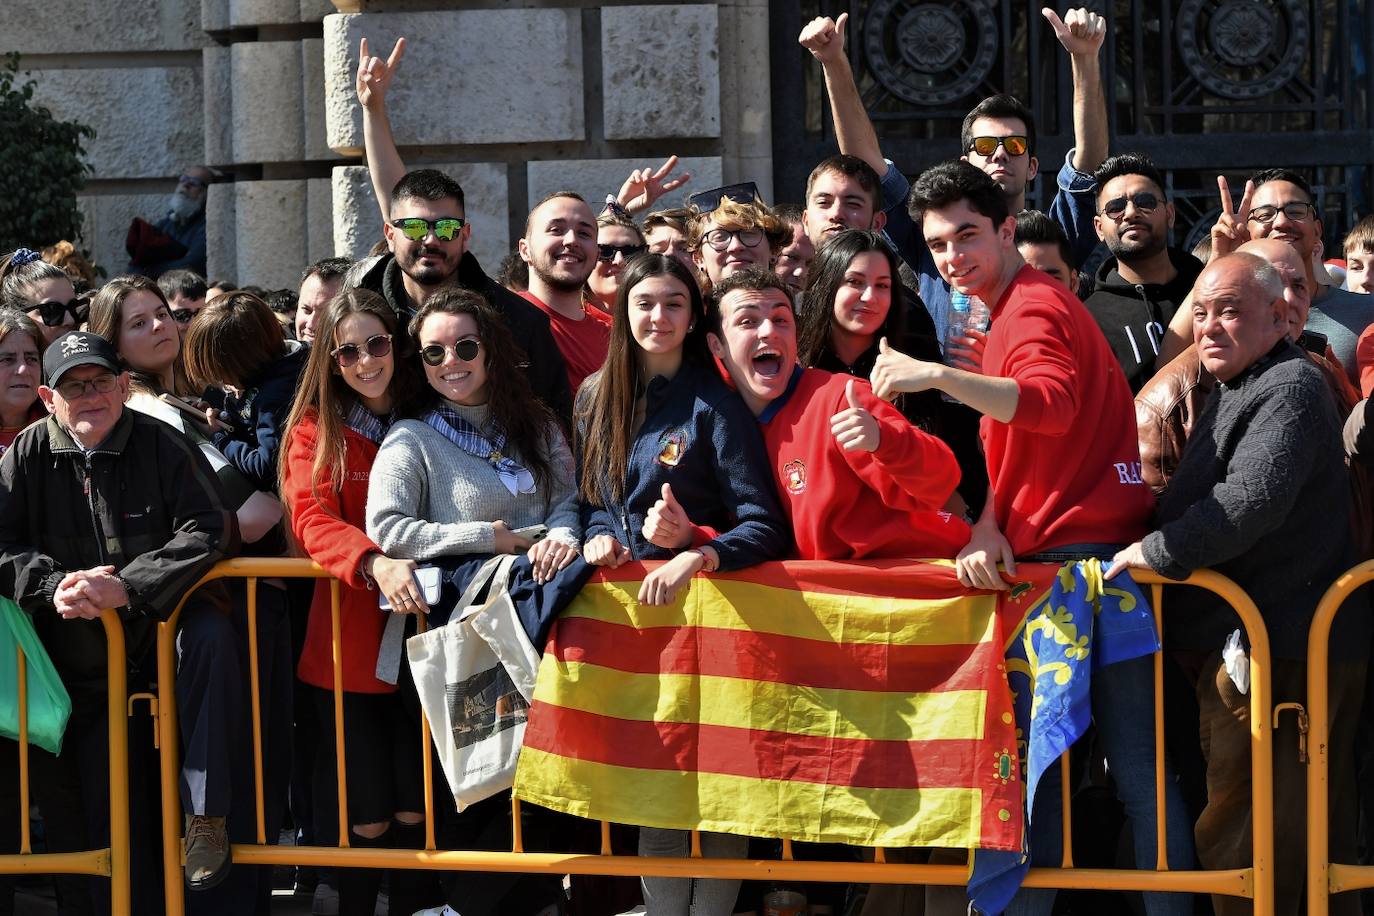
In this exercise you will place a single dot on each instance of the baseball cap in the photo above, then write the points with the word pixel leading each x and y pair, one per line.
pixel 78 348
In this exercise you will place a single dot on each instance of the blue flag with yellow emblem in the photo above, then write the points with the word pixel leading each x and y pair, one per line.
pixel 1081 624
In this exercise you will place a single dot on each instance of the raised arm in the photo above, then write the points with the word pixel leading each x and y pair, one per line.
pixel 384 163
pixel 1082 32
pixel 824 38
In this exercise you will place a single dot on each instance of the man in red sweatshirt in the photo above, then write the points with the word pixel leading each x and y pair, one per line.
pixel 856 479
pixel 1058 422
pixel 1059 434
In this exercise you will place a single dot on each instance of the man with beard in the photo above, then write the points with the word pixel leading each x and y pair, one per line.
pixel 560 248
pixel 428 237
pixel 178 239
pixel 427 232
pixel 1139 288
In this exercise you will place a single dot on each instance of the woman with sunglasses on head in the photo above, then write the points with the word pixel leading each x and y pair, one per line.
pixel 854 298
pixel 618 240
pixel 483 469
pixel 40 290
pixel 21 372
pixel 733 235
pixel 658 422
pixel 355 377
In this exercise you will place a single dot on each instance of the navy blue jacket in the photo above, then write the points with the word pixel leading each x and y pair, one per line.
pixel 699 437
pixel 260 418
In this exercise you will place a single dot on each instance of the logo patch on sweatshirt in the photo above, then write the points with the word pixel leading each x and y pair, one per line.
pixel 671 445
pixel 794 476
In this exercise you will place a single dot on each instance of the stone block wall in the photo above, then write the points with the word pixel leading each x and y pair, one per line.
pixel 513 102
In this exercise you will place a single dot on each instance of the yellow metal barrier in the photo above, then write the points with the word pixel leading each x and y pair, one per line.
pixel 1324 877
pixel 1255 882
pixel 113 861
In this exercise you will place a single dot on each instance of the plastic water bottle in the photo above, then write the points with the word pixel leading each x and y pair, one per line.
pixel 965 313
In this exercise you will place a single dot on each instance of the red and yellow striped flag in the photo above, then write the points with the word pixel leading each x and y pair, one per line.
pixel 827 702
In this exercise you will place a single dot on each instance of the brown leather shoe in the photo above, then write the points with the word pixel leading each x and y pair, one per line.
pixel 207 851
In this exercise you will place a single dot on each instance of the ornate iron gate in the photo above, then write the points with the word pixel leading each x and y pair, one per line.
pixel 1202 86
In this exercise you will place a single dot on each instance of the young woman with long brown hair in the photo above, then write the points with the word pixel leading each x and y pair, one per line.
pixel 658 422
pixel 357 374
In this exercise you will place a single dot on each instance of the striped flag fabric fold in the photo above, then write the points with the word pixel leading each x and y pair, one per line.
pixel 862 703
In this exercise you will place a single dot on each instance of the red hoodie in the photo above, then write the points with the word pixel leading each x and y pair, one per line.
pixel 849 505
pixel 1066 469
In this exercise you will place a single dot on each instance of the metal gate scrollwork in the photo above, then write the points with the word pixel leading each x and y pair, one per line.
pixel 930 53
pixel 1243 49
pixel 1201 86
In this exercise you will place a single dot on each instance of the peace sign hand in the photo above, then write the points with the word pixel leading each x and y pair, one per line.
pixel 646 185
pixel 1232 228
pixel 375 74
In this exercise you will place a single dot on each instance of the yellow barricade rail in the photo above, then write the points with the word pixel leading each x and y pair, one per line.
pixel 113 861
pixel 1324 877
pixel 1255 882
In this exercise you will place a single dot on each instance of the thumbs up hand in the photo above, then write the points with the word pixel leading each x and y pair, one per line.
pixel 855 429
pixel 667 524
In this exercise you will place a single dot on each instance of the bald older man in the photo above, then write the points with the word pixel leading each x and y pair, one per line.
pixel 1171 402
pixel 1263 471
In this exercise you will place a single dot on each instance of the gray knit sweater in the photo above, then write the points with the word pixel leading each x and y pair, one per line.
pixel 428 498
pixel 1260 495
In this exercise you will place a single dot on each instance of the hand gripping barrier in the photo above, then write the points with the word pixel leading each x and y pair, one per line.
pixel 113 861
pixel 1324 877
pixel 1255 882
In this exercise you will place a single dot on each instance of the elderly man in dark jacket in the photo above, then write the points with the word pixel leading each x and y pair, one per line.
pixel 1260 495
pixel 102 507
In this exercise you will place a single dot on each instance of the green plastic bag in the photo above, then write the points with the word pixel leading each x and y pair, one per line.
pixel 49 704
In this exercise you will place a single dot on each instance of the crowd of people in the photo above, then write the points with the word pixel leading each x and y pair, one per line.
pixel 884 370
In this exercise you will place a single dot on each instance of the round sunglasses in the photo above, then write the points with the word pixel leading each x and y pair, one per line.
pixel 376 346
pixel 466 350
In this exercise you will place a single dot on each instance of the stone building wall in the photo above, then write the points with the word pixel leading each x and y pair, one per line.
pixel 514 102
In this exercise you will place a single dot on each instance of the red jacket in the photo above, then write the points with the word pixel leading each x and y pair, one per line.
pixel 1066 469
pixel 851 505
pixel 330 529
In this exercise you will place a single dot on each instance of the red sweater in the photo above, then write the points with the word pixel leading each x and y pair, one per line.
pixel 330 528
pixel 583 343
pixel 1066 469
pixel 852 505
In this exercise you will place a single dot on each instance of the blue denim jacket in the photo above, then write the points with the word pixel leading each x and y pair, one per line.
pixel 699 437
pixel 1073 208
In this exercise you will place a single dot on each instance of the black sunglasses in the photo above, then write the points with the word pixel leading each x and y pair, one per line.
pixel 1144 201
pixel 51 311
pixel 745 192
pixel 376 346
pixel 466 350
pixel 608 252
pixel 183 316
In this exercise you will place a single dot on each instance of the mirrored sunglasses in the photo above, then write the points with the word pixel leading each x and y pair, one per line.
pixel 417 229
pixel 1015 145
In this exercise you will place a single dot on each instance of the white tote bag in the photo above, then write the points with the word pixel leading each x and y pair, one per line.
pixel 475 677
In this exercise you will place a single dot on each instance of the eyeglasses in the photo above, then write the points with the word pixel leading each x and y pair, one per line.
pixel 51 311
pixel 416 229
pixel 1298 211
pixel 719 239
pixel 376 346
pixel 608 252
pixel 76 389
pixel 466 350
pixel 745 192
pixel 183 316
pixel 1144 202
pixel 192 181
pixel 1015 145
